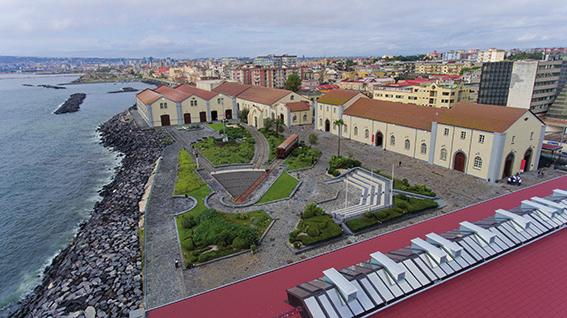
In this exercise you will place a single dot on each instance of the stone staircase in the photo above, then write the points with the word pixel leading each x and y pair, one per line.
pixel 375 193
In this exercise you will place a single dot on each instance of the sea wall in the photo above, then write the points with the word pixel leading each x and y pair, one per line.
pixel 100 271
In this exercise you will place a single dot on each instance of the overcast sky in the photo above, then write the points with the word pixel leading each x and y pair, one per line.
pixel 202 28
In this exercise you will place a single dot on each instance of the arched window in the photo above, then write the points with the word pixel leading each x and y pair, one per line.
pixel 356 131
pixel 444 154
pixel 304 117
pixel 392 140
pixel 366 133
pixel 423 148
pixel 477 162
pixel 407 144
pixel 294 118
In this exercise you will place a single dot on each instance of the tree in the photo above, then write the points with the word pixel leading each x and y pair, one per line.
pixel 278 123
pixel 269 124
pixel 313 139
pixel 339 123
pixel 243 116
pixel 293 83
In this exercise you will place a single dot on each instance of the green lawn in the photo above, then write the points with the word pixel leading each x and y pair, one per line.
pixel 273 140
pixel 315 226
pixel 404 185
pixel 238 149
pixel 402 205
pixel 187 178
pixel 206 234
pixel 302 157
pixel 280 189
pixel 216 126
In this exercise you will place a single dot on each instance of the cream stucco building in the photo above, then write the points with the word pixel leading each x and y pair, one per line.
pixel 184 104
pixel 438 94
pixel 486 141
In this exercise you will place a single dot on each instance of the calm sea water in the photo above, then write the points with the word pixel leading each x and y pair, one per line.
pixel 51 168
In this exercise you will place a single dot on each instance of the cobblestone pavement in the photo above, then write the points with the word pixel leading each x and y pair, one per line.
pixel 457 190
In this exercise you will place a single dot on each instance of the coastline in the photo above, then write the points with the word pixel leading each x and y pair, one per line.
pixel 101 266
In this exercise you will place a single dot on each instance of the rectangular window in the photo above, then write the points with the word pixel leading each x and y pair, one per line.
pixel 532 135
pixel 513 139
pixel 446 132
pixel 480 139
pixel 463 134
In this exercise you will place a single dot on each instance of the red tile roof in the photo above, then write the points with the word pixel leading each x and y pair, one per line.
pixel 492 118
pixel 263 95
pixel 172 94
pixel 231 89
pixel 192 90
pixel 148 96
pixel 337 97
pixel 407 115
pixel 298 106
pixel 529 282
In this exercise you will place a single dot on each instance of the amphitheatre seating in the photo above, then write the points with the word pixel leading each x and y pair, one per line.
pixel 237 181
pixel 375 193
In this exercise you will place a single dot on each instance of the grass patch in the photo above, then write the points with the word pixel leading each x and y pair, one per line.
pixel 280 189
pixel 216 127
pixel 315 226
pixel 187 178
pixel 207 234
pixel 302 157
pixel 273 140
pixel 238 149
pixel 402 206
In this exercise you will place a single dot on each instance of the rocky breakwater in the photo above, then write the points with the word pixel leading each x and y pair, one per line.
pixel 72 104
pixel 100 273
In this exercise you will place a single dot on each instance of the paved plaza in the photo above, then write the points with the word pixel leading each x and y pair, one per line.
pixel 166 284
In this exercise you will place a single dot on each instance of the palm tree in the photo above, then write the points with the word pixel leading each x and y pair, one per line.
pixel 339 123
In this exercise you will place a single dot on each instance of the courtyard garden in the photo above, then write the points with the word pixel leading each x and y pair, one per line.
pixel 314 227
pixel 206 234
pixel 302 157
pixel 238 149
pixel 341 163
pixel 218 127
pixel 403 205
pixel 280 189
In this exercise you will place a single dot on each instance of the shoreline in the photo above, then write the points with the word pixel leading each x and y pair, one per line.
pixel 101 265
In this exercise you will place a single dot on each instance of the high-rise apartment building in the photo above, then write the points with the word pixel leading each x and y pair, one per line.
pixel 491 55
pixel 526 84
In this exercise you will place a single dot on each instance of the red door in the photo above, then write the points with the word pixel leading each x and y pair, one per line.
pixel 203 117
pixel 459 162
pixel 165 120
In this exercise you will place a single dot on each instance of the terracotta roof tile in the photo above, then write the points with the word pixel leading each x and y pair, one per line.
pixel 298 106
pixel 148 96
pixel 337 97
pixel 407 115
pixel 263 95
pixel 172 94
pixel 492 118
pixel 192 90
pixel 230 88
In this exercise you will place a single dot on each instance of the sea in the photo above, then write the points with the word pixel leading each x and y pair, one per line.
pixel 51 169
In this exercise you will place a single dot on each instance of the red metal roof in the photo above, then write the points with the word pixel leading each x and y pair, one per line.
pixel 530 282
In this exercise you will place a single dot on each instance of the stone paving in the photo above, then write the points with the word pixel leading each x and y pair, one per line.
pixel 457 190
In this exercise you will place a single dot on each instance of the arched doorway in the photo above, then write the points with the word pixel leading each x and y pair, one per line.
pixel 282 117
pixel 203 117
pixel 255 122
pixel 379 139
pixel 165 120
pixel 186 118
pixel 228 114
pixel 459 161
pixel 327 125
pixel 527 159
pixel 214 115
pixel 508 165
